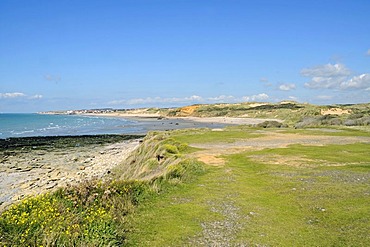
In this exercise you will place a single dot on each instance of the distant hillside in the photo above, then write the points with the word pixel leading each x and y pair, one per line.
pixel 292 113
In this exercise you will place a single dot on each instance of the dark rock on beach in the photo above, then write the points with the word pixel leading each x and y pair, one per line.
pixel 54 142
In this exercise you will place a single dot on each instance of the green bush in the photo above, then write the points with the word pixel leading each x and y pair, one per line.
pixel 171 149
pixel 89 214
pixel 184 170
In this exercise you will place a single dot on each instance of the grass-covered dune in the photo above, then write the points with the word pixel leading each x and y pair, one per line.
pixel 242 186
pixel 292 113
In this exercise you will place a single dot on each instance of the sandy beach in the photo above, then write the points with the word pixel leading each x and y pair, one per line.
pixel 209 120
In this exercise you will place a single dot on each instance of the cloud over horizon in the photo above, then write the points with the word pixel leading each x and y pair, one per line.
pixel 11 95
pixel 36 96
pixel 287 86
pixel 194 99
pixel 335 76
pixel 257 97
pixel 15 95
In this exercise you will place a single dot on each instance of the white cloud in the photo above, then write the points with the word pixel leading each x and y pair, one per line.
pixel 17 95
pixel 335 76
pixel 327 70
pixel 157 100
pixel 11 95
pixel 257 97
pixel 294 98
pixel 326 76
pixel 194 98
pixel 36 96
pixel 357 82
pixel 368 52
pixel 287 86
pixel 188 100
pixel 225 98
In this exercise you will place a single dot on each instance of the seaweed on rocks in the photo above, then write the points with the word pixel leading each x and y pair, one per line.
pixel 55 142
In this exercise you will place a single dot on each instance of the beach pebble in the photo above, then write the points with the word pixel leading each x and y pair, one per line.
pixel 50 186
pixel 26 169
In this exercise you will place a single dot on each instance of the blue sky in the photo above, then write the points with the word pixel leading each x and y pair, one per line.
pixel 60 55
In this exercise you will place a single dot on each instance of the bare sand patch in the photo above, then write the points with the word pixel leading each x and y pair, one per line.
pixel 212 151
pixel 230 120
pixel 210 159
pixel 281 140
pixel 335 111
pixel 295 161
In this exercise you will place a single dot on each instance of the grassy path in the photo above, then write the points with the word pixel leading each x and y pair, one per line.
pixel 316 196
pixel 257 187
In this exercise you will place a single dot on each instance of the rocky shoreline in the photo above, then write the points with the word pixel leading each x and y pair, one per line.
pixel 34 165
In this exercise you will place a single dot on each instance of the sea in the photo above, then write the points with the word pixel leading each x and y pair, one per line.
pixel 27 125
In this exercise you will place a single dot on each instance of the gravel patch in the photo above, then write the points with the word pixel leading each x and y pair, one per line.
pixel 221 232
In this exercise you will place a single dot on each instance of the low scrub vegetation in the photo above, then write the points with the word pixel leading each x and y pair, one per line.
pixel 90 214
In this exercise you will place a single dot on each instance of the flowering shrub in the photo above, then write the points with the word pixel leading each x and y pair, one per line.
pixel 91 213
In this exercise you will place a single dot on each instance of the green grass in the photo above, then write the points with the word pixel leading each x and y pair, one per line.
pixel 330 131
pixel 278 205
pixel 230 134
pixel 175 217
pixel 357 153
pixel 301 207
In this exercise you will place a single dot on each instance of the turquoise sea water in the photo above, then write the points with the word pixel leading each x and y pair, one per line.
pixel 26 125
pixel 22 125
